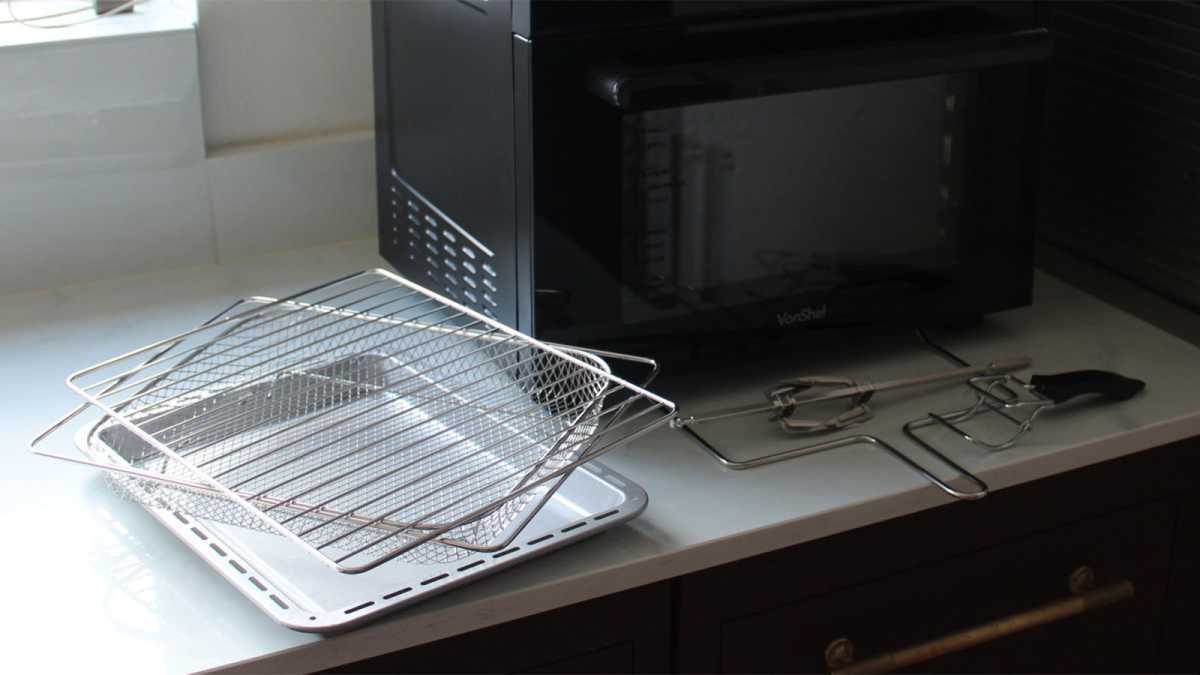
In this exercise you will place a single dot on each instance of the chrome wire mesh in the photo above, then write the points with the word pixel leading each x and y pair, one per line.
pixel 365 419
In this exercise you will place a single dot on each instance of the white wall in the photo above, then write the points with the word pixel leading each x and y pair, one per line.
pixel 274 69
pixel 249 134
pixel 288 117
pixel 101 167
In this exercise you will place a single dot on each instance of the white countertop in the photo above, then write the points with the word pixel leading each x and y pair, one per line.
pixel 92 582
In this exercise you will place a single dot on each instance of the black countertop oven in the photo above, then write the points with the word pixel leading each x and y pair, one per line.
pixel 600 173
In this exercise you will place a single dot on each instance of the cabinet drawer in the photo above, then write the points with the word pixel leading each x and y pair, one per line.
pixel 935 600
pixel 626 632
pixel 1179 654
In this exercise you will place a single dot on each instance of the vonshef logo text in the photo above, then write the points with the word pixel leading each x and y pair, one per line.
pixel 804 315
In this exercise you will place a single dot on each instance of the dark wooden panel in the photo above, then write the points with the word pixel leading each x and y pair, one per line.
pixel 623 632
pixel 710 598
pixel 962 592
pixel 1179 639
pixel 620 658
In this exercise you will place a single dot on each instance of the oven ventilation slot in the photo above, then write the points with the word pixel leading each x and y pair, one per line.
pixel 440 250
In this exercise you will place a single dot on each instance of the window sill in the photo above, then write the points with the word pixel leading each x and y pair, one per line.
pixel 153 17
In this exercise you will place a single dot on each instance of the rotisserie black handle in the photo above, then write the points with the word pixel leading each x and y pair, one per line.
pixel 1066 386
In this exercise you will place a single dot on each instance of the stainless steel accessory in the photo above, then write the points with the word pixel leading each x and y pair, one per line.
pixel 785 399
pixel 303 594
pixel 1020 403
pixel 364 419
pixel 980 488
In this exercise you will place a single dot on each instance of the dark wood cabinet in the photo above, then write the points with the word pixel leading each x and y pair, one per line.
pixel 627 632
pixel 1180 626
pixel 916 606
pixel 1127 530
pixel 909 581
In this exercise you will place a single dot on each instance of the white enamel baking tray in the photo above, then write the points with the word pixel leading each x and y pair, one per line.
pixel 297 591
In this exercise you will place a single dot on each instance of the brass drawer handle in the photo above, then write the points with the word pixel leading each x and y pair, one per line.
pixel 842 650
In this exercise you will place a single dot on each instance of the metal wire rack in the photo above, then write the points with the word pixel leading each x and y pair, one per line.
pixel 364 419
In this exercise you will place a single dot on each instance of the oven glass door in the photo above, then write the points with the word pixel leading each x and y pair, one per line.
pixel 730 204
pixel 748 186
